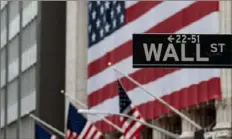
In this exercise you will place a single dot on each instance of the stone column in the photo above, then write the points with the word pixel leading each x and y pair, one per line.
pixel 71 42
pixel 223 120
pixel 82 51
pixel 76 51
pixel 156 134
pixel 71 48
pixel 224 106
pixel 187 128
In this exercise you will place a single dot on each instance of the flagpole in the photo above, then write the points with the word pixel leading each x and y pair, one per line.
pixel 172 135
pixel 159 99
pixel 84 106
pixel 46 124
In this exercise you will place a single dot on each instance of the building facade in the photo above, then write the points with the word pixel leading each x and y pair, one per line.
pixel 18 67
pixel 28 66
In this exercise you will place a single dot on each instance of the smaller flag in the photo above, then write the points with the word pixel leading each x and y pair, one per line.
pixel 131 128
pixel 42 133
pixel 78 127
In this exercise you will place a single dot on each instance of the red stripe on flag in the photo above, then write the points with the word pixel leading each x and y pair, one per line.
pixel 169 25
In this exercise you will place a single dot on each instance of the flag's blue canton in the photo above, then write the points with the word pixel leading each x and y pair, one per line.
pixel 41 133
pixel 124 100
pixel 76 121
pixel 104 18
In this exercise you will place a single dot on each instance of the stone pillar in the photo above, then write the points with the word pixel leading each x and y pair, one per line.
pixel 76 51
pixel 82 51
pixel 187 128
pixel 223 120
pixel 224 106
pixel 156 134
pixel 71 42
pixel 71 48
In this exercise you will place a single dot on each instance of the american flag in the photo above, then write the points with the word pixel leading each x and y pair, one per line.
pixel 42 133
pixel 111 25
pixel 79 128
pixel 130 127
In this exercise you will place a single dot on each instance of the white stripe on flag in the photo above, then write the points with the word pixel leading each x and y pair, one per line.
pixel 98 135
pixel 133 129
pixel 91 132
pixel 129 120
pixel 122 137
pixel 84 131
pixel 73 135
pixel 203 26
pixel 68 133
pixel 53 137
pixel 130 3
pixel 126 124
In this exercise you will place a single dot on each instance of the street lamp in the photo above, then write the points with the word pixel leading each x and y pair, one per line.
pixel 94 112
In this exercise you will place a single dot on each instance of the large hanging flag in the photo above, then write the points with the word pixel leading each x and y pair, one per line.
pixel 78 127
pixel 42 133
pixel 111 26
pixel 131 128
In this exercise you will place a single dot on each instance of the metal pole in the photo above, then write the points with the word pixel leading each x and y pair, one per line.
pixel 160 100
pixel 135 119
pixel 84 106
pixel 47 125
